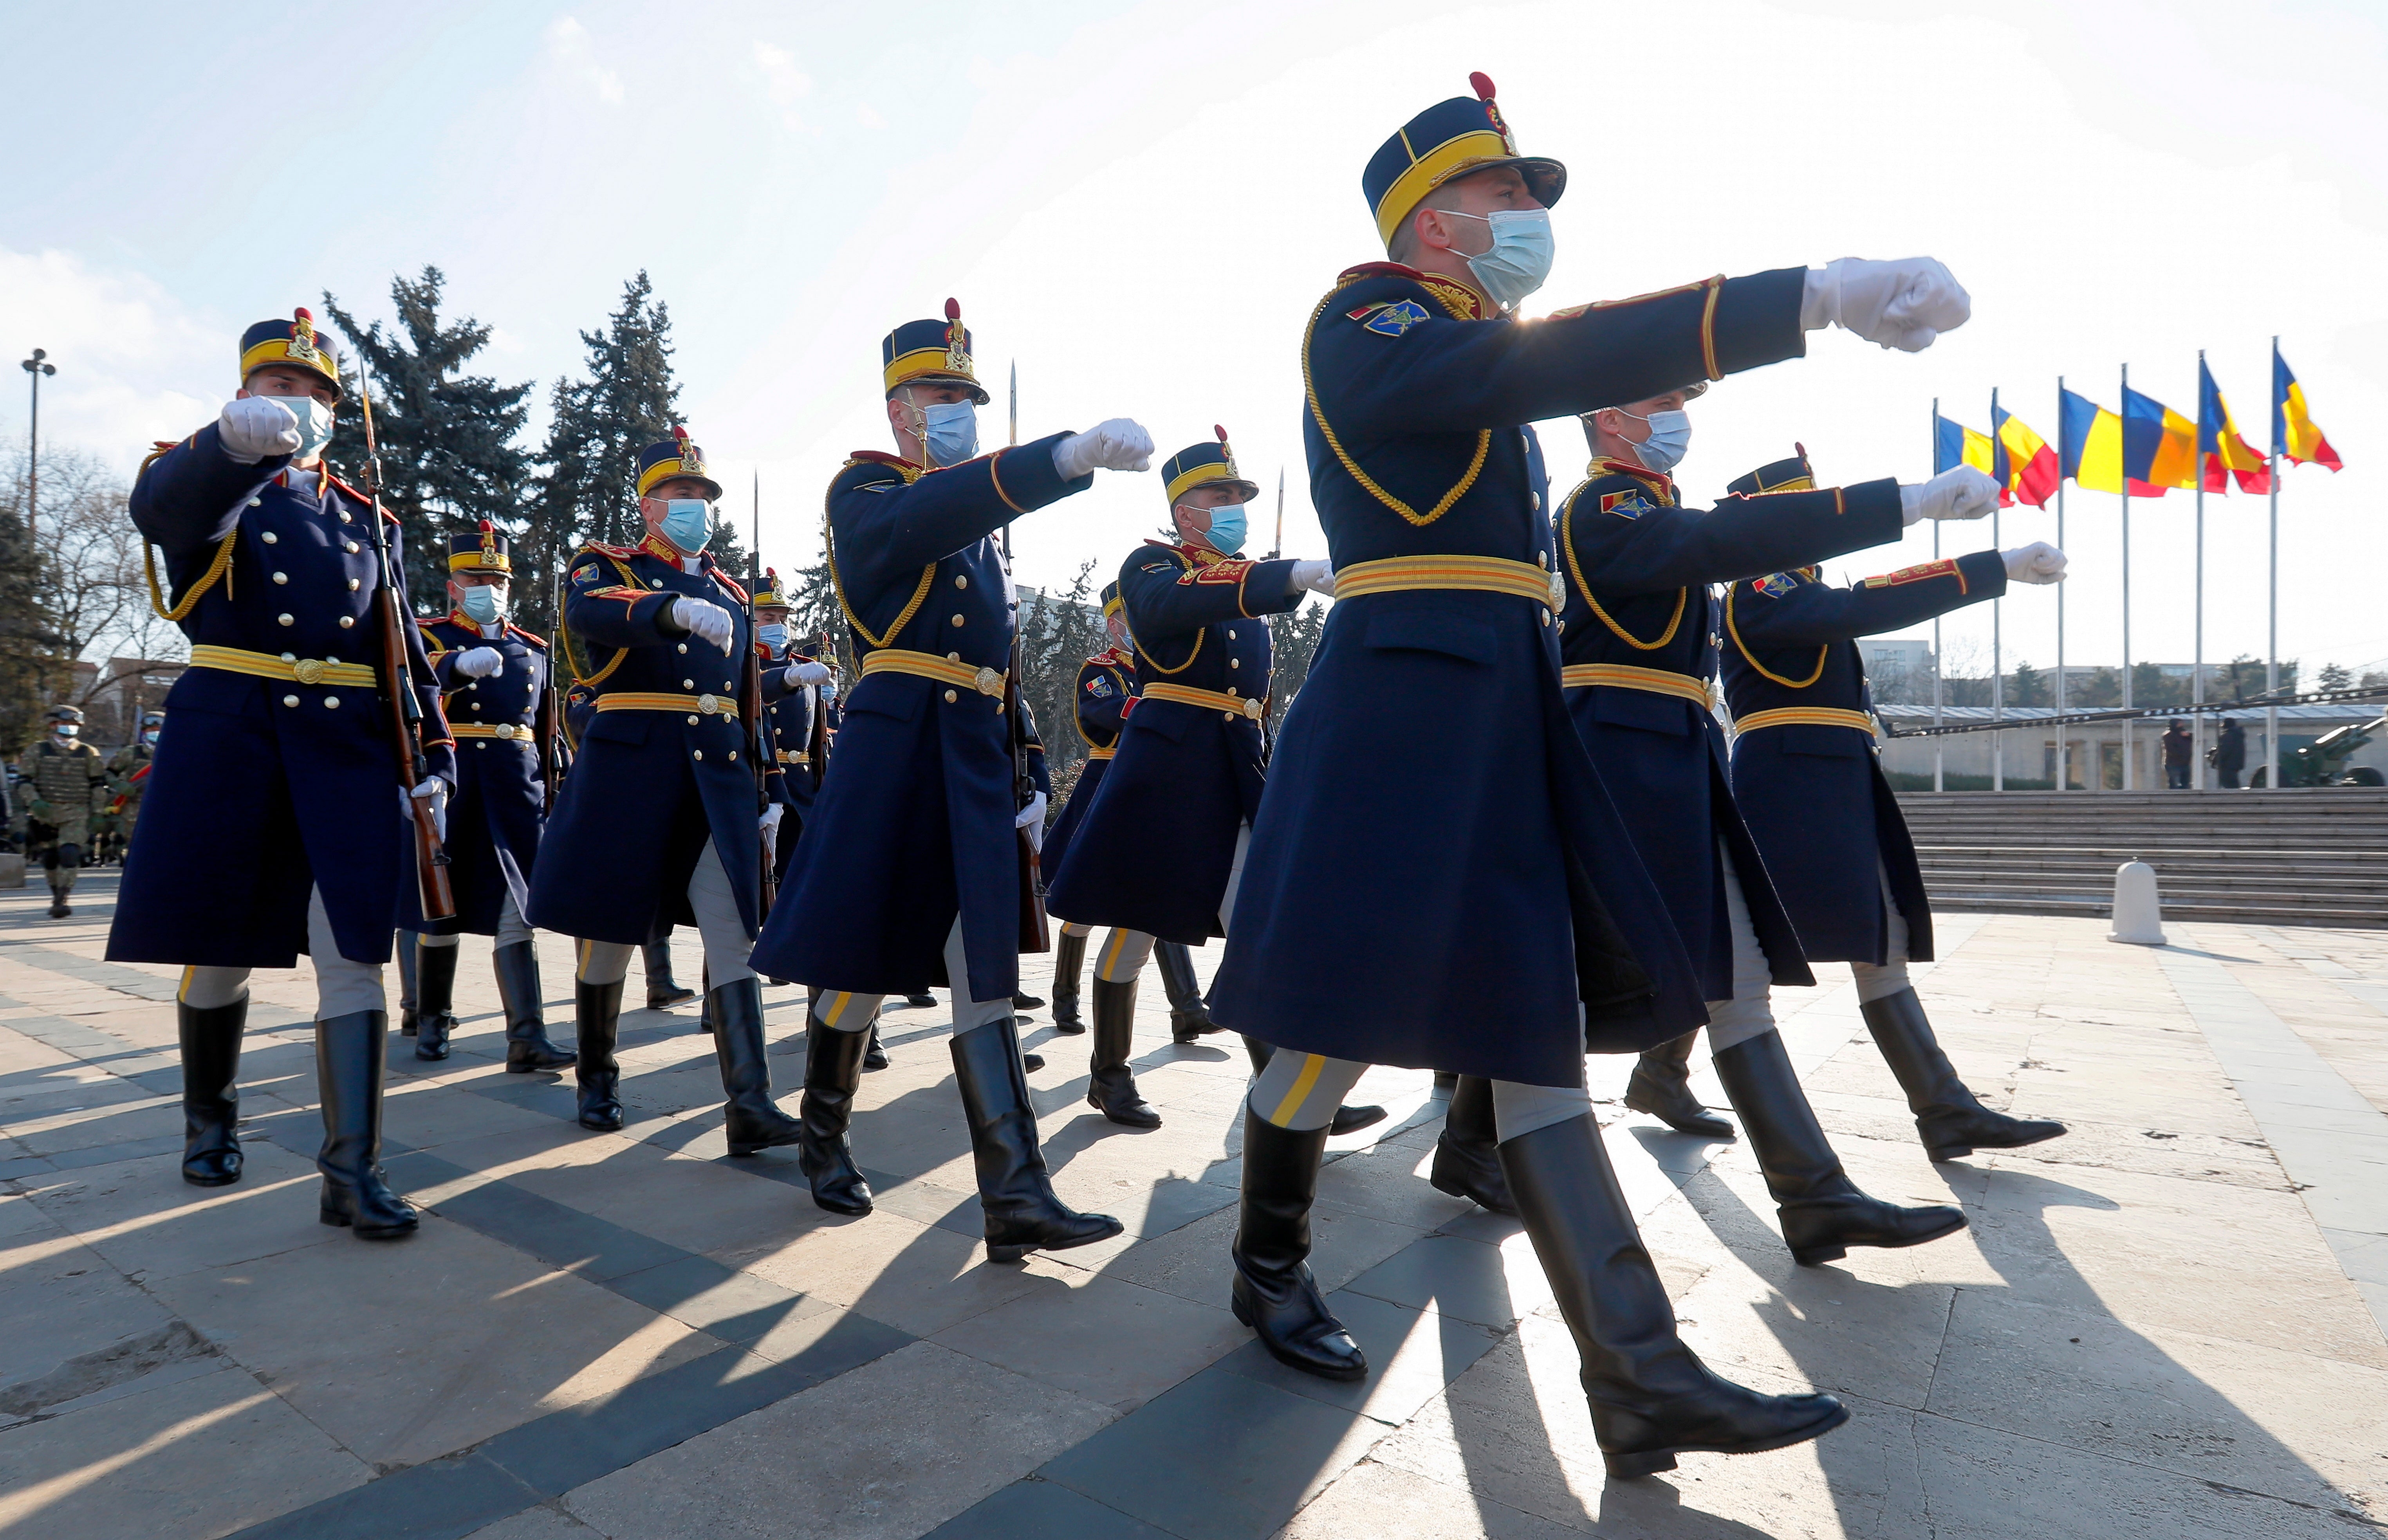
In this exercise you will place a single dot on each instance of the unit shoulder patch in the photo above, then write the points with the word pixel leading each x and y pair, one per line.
pixel 1625 505
pixel 1774 585
pixel 1922 573
pixel 1391 321
pixel 1100 687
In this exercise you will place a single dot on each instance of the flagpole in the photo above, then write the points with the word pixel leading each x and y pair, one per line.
pixel 2064 781
pixel 2272 639
pixel 1940 760
pixel 1998 668
pixel 2131 775
pixel 2197 644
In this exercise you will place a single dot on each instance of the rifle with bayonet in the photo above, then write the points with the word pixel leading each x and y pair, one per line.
pixel 549 722
pixel 391 620
pixel 762 747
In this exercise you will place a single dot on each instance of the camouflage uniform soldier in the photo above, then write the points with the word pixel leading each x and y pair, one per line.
pixel 128 775
pixel 63 778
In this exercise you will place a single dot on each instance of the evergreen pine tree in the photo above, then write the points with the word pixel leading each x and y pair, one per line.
pixel 31 661
pixel 1057 634
pixel 448 459
pixel 1294 639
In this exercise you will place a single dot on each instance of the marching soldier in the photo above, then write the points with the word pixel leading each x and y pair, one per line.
pixel 128 774
pixel 1637 648
pixel 797 692
pixel 664 992
pixel 1160 851
pixel 288 591
pixel 1098 707
pixel 65 779
pixel 666 817
pixel 1808 781
pixel 493 679
pixel 913 862
pixel 1521 922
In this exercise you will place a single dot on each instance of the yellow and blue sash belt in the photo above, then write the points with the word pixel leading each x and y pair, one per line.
pixel 522 733
pixel 265 666
pixel 1489 574
pixel 928 665
pixel 791 756
pixel 1103 754
pixel 1658 681
pixel 1209 699
pixel 1809 716
pixel 650 700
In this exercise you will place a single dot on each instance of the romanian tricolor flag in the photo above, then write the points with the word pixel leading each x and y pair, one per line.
pixel 2294 433
pixel 1953 444
pixel 2220 448
pixel 2026 467
pixel 2090 444
pixel 2159 445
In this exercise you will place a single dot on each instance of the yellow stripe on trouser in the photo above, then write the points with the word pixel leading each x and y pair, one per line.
pixel 1311 1065
pixel 1810 717
pixel 928 665
pixel 1656 681
pixel 265 666
pixel 831 1009
pixel 1209 699
pixel 1491 575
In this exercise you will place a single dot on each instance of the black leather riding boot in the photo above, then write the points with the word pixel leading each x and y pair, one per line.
pixel 833 1071
pixel 1110 1086
pixel 406 944
pixel 1069 960
pixel 751 1120
pixel 1952 1120
pixel 1822 1212
pixel 596 1020
pixel 1466 1158
pixel 1273 1292
pixel 1346 1119
pixel 1189 1013
pixel 351 1052
pixel 211 1090
pixel 1651 1397
pixel 1014 1189
pixel 434 999
pixel 874 1056
pixel 528 1048
pixel 1661 1086
pixel 664 992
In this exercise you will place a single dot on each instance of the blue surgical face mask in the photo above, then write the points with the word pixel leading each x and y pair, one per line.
pixel 314 424
pixel 482 604
pixel 772 637
pixel 1227 535
pixel 1520 257
pixel 950 431
pixel 148 735
pixel 687 524
pixel 1670 438
pixel 66 729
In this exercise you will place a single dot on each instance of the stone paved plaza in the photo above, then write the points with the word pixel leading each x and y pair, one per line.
pixel 2169 1324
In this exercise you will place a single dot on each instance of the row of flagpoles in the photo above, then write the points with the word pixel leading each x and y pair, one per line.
pixel 2145 450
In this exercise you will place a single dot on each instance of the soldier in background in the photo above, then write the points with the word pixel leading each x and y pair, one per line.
pixel 128 777
pixel 65 779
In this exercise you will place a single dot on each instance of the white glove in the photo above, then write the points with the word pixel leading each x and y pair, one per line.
pixel 704 618
pixel 1317 577
pixel 479 662
pixel 1903 304
pixel 1033 816
pixel 1959 493
pixel 250 427
pixel 769 825
pixel 1116 444
pixel 800 674
pixel 434 791
pixel 2037 562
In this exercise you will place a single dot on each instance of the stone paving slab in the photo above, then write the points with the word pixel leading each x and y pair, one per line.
pixel 2167 1323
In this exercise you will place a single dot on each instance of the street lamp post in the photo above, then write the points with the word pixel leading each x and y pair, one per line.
pixel 35 367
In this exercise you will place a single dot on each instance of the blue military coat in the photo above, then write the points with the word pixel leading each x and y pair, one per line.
pixel 649 786
pixel 501 801
pixel 1437 876
pixel 914 822
pixel 793 711
pixel 1805 769
pixel 1160 839
pixel 1098 705
pixel 267 786
pixel 1640 623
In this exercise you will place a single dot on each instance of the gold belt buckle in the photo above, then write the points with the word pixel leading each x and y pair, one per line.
pixel 309 671
pixel 1558 591
pixel 1252 708
pixel 708 704
pixel 988 681
pixel 503 730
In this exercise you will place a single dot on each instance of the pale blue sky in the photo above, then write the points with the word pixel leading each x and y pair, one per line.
pixel 1141 204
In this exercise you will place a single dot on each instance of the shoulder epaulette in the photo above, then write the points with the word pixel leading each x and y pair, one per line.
pixel 1378 269
pixel 619 553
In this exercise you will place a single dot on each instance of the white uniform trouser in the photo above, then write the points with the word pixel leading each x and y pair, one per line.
pixel 1750 1012
pixel 718 921
pixel 342 987
pixel 1123 952
pixel 843 1011
pixel 1876 983
pixel 510 929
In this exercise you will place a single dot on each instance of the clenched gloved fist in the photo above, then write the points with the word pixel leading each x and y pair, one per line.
pixel 250 427
pixel 433 793
pixel 704 618
pixel 1033 816
pixel 767 822
pixel 479 662
pixel 801 675
pixel 1960 492
pixel 2037 562
pixel 1903 304
pixel 1116 444
pixel 1317 577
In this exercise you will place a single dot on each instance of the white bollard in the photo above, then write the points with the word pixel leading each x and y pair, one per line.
pixel 2138 915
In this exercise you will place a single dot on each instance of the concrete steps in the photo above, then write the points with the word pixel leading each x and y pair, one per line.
pixel 2315 856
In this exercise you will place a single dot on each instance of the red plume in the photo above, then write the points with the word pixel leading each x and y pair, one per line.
pixel 1220 431
pixel 1482 84
pixel 302 313
pixel 953 309
pixel 680 432
pixel 486 527
pixel 1800 448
